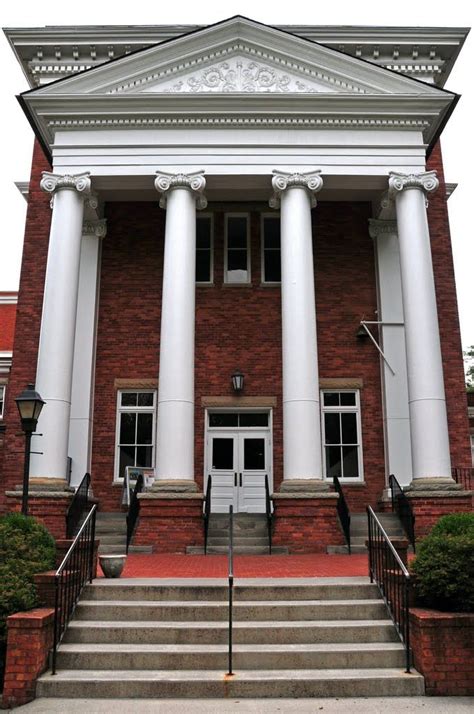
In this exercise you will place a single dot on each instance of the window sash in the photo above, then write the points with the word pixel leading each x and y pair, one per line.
pixel 136 452
pixel 3 392
pixel 344 447
pixel 267 250
pixel 200 252
pixel 234 279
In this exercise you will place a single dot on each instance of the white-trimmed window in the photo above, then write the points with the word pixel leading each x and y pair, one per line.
pixel 135 436
pixel 204 249
pixel 237 248
pixel 271 252
pixel 341 431
pixel 3 390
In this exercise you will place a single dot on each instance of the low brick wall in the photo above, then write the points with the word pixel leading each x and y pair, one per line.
pixel 443 650
pixel 29 639
pixel 428 510
pixel 50 510
pixel 170 524
pixel 306 525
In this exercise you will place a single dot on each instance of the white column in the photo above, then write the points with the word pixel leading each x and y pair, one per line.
pixel 294 193
pixel 427 403
pixel 58 322
pixel 175 423
pixel 80 431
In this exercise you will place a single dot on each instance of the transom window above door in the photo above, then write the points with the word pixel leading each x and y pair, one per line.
pixel 225 420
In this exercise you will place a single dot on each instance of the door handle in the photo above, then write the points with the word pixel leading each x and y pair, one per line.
pixel 235 480
pixel 240 484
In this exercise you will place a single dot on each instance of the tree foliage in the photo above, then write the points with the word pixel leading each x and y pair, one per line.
pixel 469 368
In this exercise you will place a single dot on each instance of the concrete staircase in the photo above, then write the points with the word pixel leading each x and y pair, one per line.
pixel 111 530
pixel 318 637
pixel 250 535
pixel 359 531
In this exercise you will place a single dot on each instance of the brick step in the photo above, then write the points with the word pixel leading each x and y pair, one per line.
pixel 244 683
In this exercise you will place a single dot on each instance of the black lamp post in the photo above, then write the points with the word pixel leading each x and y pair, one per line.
pixel 238 381
pixel 29 405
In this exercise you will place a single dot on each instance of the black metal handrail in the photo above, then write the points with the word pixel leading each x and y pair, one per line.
pixel 134 509
pixel 78 507
pixel 402 507
pixel 231 582
pixel 76 569
pixel 207 511
pixel 343 512
pixel 269 513
pixel 392 578
pixel 464 476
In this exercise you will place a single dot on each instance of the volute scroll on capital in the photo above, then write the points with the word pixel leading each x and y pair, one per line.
pixel 52 183
pixel 283 180
pixel 426 181
pixel 97 229
pixel 194 182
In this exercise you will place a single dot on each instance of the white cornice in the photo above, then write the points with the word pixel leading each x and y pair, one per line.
pixel 49 53
pixel 8 299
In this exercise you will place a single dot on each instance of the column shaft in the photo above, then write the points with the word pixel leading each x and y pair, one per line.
pixel 58 324
pixel 427 402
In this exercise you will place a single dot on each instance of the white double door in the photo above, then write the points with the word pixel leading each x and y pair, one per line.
pixel 238 462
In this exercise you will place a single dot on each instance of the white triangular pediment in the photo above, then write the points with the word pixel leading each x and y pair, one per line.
pixel 237 56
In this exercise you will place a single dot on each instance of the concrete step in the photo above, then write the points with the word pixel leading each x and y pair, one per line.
pixel 270 632
pixel 239 540
pixel 244 683
pixel 238 549
pixel 250 610
pixel 113 549
pixel 245 656
pixel 112 538
pixel 210 589
pixel 344 550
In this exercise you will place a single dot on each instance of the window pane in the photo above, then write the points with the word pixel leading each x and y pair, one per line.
pixel 127 428
pixel 333 461
pixel 203 266
pixel 145 399
pixel 126 458
pixel 223 454
pixel 331 399
pixel 254 454
pixel 129 399
pixel 224 419
pixel 253 419
pixel 145 429
pixel 349 428
pixel 348 399
pixel 271 229
pixel 236 232
pixel 272 266
pixel 351 465
pixel 144 456
pixel 237 261
pixel 332 428
pixel 203 233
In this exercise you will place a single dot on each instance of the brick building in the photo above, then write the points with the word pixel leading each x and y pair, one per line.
pixel 8 303
pixel 240 199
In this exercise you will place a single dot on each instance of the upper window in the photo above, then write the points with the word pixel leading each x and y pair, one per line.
pixel 342 443
pixel 2 400
pixel 237 249
pixel 135 430
pixel 204 252
pixel 271 254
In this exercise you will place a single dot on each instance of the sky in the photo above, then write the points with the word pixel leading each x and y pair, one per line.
pixel 457 143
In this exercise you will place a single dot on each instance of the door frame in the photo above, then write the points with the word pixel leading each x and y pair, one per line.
pixel 238 430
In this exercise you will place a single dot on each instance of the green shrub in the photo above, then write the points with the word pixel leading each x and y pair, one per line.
pixel 444 565
pixel 26 548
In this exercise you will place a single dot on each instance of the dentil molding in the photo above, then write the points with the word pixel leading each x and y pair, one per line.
pixel 194 182
pixel 282 180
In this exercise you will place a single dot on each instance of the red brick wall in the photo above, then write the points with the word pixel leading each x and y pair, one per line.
pixel 30 304
pixel 442 645
pixel 7 325
pixel 443 267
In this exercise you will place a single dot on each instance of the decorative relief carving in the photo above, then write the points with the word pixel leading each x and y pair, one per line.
pixel 426 182
pixel 380 227
pixel 195 182
pixel 283 180
pixel 238 77
pixel 95 228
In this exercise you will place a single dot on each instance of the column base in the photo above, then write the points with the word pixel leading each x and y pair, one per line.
pixel 305 517
pixel 47 502
pixel 170 517
pixel 432 498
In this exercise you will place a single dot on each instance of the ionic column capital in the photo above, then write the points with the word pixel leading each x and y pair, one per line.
pixel 97 229
pixel 283 180
pixel 194 182
pixel 426 182
pixel 52 183
pixel 379 227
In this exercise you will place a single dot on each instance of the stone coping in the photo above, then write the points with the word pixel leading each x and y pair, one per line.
pixel 41 494
pixel 173 496
pixel 305 495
